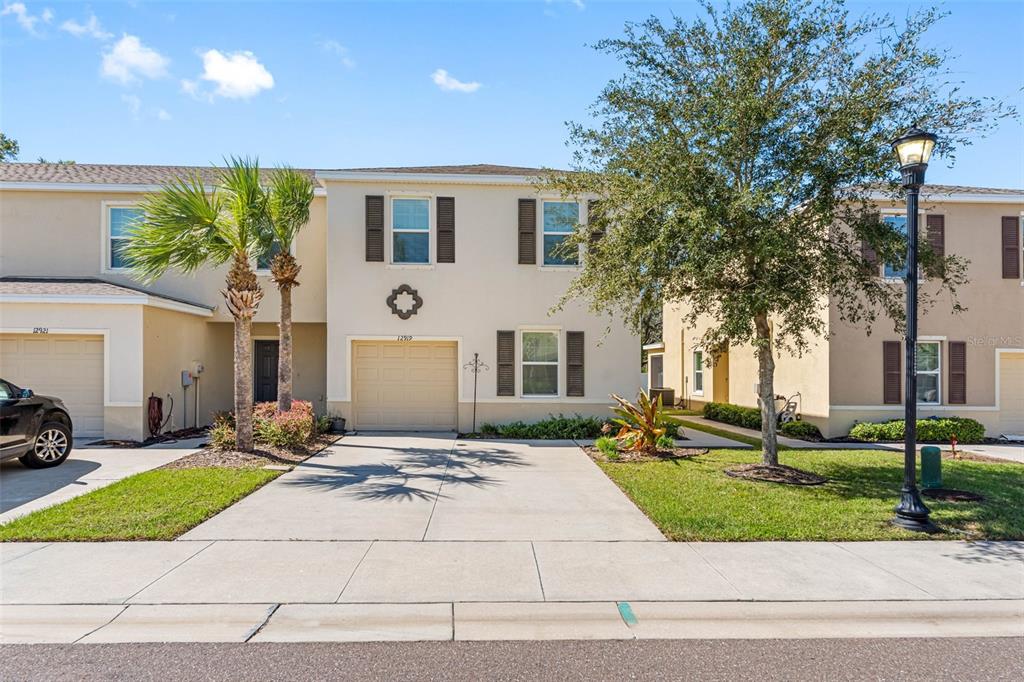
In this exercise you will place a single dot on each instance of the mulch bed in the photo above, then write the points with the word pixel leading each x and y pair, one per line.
pixel 265 455
pixel 950 495
pixel 169 437
pixel 775 474
pixel 631 456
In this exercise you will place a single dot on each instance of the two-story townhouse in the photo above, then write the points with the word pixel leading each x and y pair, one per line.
pixel 407 275
pixel 969 364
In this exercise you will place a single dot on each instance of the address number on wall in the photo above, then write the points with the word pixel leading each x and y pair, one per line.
pixel 40 330
pixel 405 338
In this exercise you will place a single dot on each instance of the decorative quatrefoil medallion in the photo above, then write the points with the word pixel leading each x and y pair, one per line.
pixel 404 301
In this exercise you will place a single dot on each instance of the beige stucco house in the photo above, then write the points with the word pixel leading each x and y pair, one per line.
pixel 970 364
pixel 407 273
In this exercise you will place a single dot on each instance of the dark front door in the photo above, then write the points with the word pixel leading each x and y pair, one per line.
pixel 265 370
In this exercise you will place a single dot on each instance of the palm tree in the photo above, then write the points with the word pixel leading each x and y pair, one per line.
pixel 290 195
pixel 186 226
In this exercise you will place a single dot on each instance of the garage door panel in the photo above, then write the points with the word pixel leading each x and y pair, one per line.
pixel 405 385
pixel 68 367
pixel 1011 393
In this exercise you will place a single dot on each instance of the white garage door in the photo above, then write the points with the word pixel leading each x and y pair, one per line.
pixel 404 385
pixel 67 367
pixel 1011 393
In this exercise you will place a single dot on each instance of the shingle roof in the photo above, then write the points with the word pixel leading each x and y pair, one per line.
pixel 78 286
pixel 963 189
pixel 469 169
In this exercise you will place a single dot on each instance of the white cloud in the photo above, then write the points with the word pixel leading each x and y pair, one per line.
pixel 134 104
pixel 449 83
pixel 163 115
pixel 238 75
pixel 339 50
pixel 90 28
pixel 25 20
pixel 128 61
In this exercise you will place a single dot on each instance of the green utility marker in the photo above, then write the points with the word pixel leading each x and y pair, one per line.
pixel 626 611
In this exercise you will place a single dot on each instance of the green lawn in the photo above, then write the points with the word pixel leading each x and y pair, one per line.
pixel 694 500
pixel 155 505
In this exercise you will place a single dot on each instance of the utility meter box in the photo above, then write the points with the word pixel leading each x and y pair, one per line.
pixel 931 467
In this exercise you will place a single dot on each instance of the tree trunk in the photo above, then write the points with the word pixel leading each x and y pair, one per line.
pixel 284 356
pixel 243 384
pixel 766 390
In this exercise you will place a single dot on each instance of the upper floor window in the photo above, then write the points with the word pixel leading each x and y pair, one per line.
pixel 540 363
pixel 898 222
pixel 120 220
pixel 560 219
pixel 929 373
pixel 263 260
pixel 410 231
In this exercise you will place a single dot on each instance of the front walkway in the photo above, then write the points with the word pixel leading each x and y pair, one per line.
pixel 433 538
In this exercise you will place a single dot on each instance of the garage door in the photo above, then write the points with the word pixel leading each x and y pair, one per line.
pixel 404 385
pixel 1011 393
pixel 64 366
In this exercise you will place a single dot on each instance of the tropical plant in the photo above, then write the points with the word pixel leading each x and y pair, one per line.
pixel 187 225
pixel 641 425
pixel 289 196
pixel 739 159
pixel 608 446
pixel 9 148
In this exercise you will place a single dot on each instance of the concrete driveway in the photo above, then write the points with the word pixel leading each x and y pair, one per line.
pixel 435 487
pixel 24 490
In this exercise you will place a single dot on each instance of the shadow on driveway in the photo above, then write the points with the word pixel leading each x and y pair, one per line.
pixel 20 485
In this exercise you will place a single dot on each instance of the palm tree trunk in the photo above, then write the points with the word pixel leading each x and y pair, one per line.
pixel 243 384
pixel 766 390
pixel 284 355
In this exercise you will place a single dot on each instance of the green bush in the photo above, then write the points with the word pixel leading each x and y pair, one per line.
pixel 747 417
pixel 666 442
pixel 801 429
pixel 552 428
pixel 222 433
pixel 324 423
pixel 928 430
pixel 289 429
pixel 608 446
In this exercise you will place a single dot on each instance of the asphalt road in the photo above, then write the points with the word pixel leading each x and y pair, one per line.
pixel 821 659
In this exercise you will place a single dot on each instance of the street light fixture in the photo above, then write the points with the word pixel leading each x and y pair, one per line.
pixel 914 149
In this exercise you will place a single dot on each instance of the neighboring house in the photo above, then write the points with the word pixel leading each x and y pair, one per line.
pixel 969 364
pixel 406 273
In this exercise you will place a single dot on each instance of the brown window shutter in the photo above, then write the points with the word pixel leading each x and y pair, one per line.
pixel 506 363
pixel 374 228
pixel 574 364
pixel 870 257
pixel 937 234
pixel 957 373
pixel 527 231
pixel 891 372
pixel 595 221
pixel 446 229
pixel 1011 247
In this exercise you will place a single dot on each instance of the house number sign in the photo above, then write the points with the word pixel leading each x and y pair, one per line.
pixel 404 301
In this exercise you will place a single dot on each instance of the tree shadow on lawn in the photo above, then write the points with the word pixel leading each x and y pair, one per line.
pixel 412 474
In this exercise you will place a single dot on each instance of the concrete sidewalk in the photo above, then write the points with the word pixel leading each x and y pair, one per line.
pixel 88 468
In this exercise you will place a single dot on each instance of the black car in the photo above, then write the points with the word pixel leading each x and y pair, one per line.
pixel 34 428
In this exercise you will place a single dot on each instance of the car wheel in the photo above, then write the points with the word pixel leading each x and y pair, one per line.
pixel 52 446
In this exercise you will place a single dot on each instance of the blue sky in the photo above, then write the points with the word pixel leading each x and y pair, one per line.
pixel 331 85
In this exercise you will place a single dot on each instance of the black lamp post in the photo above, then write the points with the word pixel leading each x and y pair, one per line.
pixel 914 149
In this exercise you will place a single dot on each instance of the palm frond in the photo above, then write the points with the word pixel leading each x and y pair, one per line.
pixel 245 204
pixel 290 196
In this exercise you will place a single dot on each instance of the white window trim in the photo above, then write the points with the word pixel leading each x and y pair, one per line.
pixel 922 219
pixel 697 370
pixel 541 265
pixel 557 331
pixel 105 206
pixel 938 370
pixel 431 231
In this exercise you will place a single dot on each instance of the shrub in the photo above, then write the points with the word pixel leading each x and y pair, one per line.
pixel 608 446
pixel 928 430
pixel 324 423
pixel 552 428
pixel 801 429
pixel 747 417
pixel 643 424
pixel 666 442
pixel 288 429
pixel 222 434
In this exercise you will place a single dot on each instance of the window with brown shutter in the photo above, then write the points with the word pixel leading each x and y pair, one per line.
pixel 374 228
pixel 870 257
pixel 936 234
pixel 891 394
pixel 527 231
pixel 506 363
pixel 595 221
pixel 1011 251
pixel 574 364
pixel 957 373
pixel 446 229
